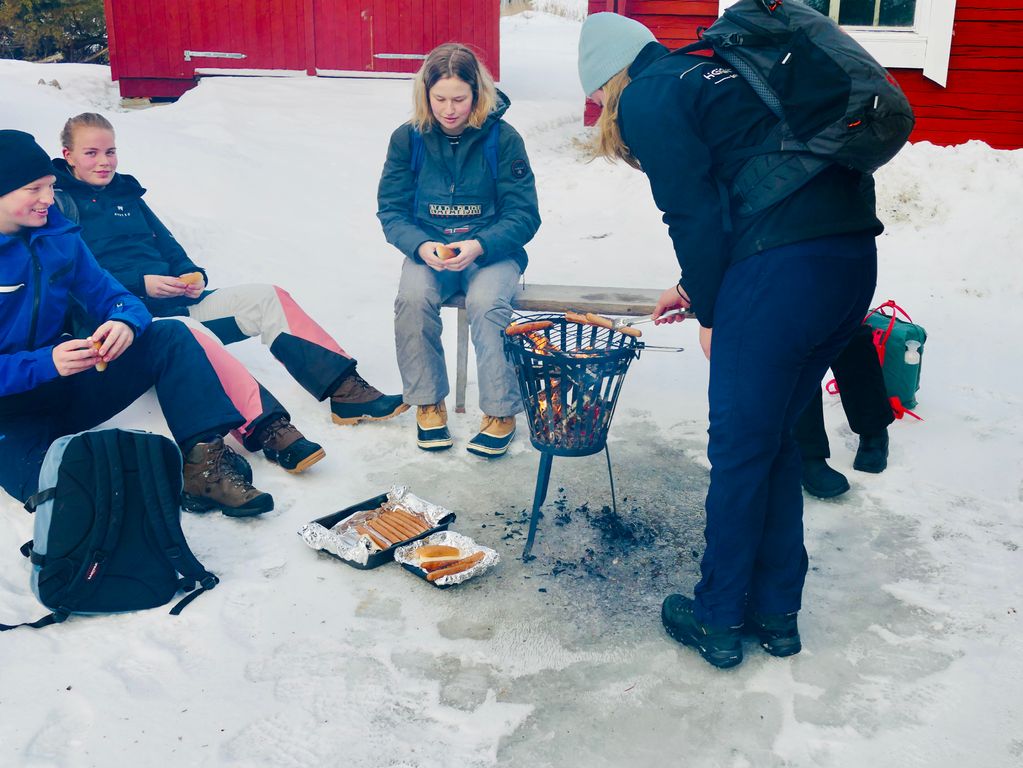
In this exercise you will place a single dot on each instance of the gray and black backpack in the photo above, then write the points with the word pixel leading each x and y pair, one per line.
pixel 107 535
pixel 834 102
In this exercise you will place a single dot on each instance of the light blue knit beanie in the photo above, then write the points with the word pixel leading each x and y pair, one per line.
pixel 608 44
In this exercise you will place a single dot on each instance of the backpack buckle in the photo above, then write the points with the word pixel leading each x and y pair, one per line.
pixel 209 582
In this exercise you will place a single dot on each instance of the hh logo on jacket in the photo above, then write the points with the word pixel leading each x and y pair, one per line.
pixel 120 212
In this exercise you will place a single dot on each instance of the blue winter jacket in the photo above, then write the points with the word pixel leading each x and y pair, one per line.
pixel 42 271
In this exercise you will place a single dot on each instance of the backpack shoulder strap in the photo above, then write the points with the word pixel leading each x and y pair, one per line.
pixel 490 147
pixel 109 516
pixel 418 152
pixel 163 512
pixel 67 205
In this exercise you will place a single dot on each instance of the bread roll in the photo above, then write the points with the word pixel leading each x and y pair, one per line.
pixel 191 278
pixel 444 253
pixel 101 365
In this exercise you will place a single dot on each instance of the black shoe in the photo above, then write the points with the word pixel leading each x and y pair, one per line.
pixel 283 444
pixel 719 647
pixel 872 455
pixel 822 481
pixel 778 633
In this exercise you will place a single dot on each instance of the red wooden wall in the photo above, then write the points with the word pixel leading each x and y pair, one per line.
pixel 984 94
pixel 148 38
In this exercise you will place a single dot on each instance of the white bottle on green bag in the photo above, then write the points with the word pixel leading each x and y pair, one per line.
pixel 912 356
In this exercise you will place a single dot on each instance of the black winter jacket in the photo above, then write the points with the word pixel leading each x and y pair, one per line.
pixel 127 238
pixel 459 198
pixel 680 116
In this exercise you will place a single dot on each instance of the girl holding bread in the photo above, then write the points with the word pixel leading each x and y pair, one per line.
pixel 783 289
pixel 134 245
pixel 457 198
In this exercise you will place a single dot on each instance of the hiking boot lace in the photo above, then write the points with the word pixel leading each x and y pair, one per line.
pixel 273 434
pixel 219 465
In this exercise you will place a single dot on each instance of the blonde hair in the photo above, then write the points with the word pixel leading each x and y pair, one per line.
pixel 609 143
pixel 84 120
pixel 452 60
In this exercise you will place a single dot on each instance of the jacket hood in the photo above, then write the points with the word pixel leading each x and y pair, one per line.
pixel 122 183
pixel 503 102
pixel 55 224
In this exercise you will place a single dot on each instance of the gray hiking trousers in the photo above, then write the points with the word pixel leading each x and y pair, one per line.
pixel 417 332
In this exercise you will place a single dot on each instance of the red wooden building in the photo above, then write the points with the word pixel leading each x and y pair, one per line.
pixel 960 62
pixel 161 47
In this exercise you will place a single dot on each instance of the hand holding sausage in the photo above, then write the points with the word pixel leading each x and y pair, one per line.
pixel 74 356
pixel 115 338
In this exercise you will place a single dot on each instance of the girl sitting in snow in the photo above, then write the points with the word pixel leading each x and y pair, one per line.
pixel 457 198
pixel 134 245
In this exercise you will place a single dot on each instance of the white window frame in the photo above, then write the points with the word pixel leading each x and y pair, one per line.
pixel 926 45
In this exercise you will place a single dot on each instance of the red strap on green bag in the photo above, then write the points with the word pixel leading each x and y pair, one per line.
pixel 880 338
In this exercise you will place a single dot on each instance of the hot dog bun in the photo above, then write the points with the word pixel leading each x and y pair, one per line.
pixel 101 365
pixel 191 278
pixel 444 253
pixel 457 567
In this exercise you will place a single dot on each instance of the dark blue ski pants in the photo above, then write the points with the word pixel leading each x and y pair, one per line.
pixel 781 317
pixel 166 355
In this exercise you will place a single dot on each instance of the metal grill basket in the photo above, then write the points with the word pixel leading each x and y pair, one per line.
pixel 570 376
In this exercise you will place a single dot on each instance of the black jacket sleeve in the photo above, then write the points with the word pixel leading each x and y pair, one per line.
pixel 518 212
pixel 662 132
pixel 395 196
pixel 178 262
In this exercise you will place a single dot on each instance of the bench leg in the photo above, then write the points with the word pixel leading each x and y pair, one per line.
pixel 462 361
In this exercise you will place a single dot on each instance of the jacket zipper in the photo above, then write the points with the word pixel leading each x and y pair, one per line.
pixel 37 294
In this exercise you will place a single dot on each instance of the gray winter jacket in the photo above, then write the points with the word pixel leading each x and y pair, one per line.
pixel 458 196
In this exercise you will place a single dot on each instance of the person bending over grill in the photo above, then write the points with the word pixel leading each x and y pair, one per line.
pixel 134 245
pixel 51 385
pixel 457 197
pixel 783 292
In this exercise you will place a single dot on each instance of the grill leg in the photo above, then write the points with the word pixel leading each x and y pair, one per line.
pixel 611 479
pixel 543 479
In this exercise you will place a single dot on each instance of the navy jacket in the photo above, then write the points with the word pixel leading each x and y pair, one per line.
pixel 681 116
pixel 42 271
pixel 129 241
pixel 459 198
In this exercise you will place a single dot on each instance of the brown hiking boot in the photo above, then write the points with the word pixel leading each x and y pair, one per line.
pixel 432 427
pixel 283 444
pixel 357 400
pixel 212 481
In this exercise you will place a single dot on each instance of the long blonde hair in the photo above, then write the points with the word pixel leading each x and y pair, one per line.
pixel 84 120
pixel 608 142
pixel 452 60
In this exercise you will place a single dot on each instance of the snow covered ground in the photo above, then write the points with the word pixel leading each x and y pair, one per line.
pixel 913 636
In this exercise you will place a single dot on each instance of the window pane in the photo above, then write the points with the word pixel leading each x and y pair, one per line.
pixel 860 13
pixel 856 13
pixel 897 13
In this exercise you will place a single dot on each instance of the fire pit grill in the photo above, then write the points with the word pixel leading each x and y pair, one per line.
pixel 570 376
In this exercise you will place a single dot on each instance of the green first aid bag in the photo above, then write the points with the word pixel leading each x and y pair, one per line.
pixel 900 347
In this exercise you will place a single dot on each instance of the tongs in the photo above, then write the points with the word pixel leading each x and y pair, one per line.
pixel 620 323
pixel 625 326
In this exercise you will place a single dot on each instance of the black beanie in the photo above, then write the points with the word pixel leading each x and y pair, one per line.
pixel 22 161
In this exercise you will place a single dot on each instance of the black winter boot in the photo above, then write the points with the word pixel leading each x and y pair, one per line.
pixel 778 633
pixel 822 481
pixel 721 647
pixel 872 454
pixel 283 444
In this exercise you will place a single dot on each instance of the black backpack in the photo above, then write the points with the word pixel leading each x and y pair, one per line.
pixel 108 533
pixel 834 102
